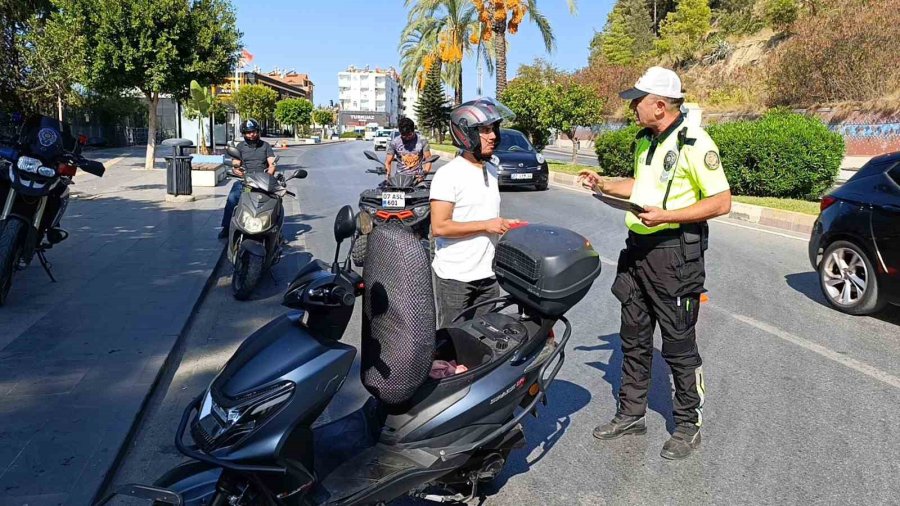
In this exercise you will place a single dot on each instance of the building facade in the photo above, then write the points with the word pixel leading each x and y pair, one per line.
pixel 410 99
pixel 369 93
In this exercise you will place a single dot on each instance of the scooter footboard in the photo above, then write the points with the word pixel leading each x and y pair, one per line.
pixel 153 495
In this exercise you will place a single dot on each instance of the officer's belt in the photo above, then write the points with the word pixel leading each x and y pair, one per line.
pixel 666 238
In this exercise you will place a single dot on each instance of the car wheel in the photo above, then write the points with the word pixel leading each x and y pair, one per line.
pixel 848 279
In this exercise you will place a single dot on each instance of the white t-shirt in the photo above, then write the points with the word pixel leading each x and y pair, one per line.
pixel 463 184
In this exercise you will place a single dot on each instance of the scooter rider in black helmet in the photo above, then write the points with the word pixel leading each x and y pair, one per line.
pixel 256 155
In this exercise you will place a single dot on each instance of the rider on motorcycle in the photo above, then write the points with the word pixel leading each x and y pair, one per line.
pixel 256 155
pixel 411 149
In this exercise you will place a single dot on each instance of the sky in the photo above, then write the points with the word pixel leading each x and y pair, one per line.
pixel 324 37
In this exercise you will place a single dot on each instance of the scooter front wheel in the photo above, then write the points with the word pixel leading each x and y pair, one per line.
pixel 247 271
pixel 12 237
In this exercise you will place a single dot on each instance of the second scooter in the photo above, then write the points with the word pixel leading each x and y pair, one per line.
pixel 255 242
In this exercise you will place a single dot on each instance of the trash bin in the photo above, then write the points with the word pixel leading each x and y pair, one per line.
pixel 178 167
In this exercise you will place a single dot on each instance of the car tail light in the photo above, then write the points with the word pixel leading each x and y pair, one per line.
pixel 827 200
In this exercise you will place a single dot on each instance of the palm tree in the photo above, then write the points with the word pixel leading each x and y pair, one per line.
pixel 498 17
pixel 442 30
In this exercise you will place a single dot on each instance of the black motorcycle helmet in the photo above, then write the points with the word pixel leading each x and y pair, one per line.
pixel 465 119
pixel 249 125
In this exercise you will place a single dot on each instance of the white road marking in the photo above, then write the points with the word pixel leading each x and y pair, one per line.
pixel 856 365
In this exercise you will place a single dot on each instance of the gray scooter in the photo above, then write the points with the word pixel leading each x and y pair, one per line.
pixel 257 437
pixel 254 238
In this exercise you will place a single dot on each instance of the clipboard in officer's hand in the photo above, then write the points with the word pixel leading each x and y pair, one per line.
pixel 618 203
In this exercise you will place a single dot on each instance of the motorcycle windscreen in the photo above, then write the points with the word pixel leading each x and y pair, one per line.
pixel 398 333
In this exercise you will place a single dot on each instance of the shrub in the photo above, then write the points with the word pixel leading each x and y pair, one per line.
pixel 781 14
pixel 615 151
pixel 783 154
pixel 843 53
pixel 349 135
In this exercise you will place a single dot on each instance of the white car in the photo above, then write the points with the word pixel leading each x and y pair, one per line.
pixel 382 139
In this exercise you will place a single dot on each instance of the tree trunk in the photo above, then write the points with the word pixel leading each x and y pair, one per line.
pixel 59 103
pixel 500 48
pixel 202 147
pixel 152 103
pixel 574 146
pixel 458 92
pixel 296 133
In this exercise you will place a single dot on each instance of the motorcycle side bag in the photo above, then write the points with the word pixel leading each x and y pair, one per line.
pixel 546 268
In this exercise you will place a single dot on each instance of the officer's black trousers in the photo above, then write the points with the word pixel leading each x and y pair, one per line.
pixel 655 284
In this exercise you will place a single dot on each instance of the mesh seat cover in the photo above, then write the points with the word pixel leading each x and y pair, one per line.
pixel 398 332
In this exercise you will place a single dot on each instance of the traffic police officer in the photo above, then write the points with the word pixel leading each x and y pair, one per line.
pixel 679 181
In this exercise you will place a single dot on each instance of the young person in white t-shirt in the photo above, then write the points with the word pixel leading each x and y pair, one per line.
pixel 465 212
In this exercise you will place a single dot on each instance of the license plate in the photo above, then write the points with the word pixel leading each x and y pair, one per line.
pixel 521 176
pixel 393 200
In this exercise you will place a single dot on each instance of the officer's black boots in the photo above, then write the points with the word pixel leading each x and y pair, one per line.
pixel 621 425
pixel 683 442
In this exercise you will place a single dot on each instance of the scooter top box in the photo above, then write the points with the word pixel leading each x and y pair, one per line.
pixel 546 268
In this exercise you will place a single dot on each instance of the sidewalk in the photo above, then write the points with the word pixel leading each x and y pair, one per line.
pixel 79 358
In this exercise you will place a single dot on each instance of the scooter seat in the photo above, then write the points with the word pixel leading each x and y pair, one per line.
pixel 398 334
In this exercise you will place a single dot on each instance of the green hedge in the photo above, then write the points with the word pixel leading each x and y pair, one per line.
pixel 349 135
pixel 782 154
pixel 615 151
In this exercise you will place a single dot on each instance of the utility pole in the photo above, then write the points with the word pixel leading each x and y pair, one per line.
pixel 479 71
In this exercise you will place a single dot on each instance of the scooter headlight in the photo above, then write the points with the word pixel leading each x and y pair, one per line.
pixel 254 224
pixel 368 209
pixel 421 210
pixel 219 426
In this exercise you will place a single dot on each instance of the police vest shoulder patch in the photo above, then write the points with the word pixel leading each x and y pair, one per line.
pixel 711 160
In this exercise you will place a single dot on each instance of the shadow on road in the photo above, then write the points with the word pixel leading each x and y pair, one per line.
pixel 659 398
pixel 564 399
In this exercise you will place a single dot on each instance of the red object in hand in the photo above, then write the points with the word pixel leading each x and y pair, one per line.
pixel 520 224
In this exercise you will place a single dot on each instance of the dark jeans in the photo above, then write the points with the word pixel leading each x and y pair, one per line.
pixel 234 196
pixel 455 296
pixel 658 286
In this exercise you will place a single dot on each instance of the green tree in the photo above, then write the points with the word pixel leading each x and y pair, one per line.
pixel 158 47
pixel 324 118
pixel 198 106
pixel 571 105
pixel 683 31
pixel 499 17
pixel 628 33
pixel 14 18
pixel 255 101
pixel 527 98
pixel 781 14
pixel 296 112
pixel 54 53
pixel 432 109
pixel 445 29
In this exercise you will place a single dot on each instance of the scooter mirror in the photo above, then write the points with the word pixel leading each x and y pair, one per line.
pixel 371 156
pixel 233 152
pixel 301 174
pixel 432 158
pixel 277 157
pixel 364 224
pixel 344 224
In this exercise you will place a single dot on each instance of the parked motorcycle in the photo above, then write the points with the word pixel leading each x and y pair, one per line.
pixel 402 199
pixel 252 432
pixel 254 240
pixel 36 169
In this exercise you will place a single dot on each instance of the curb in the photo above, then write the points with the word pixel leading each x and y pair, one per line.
pixel 758 215
pixel 139 416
